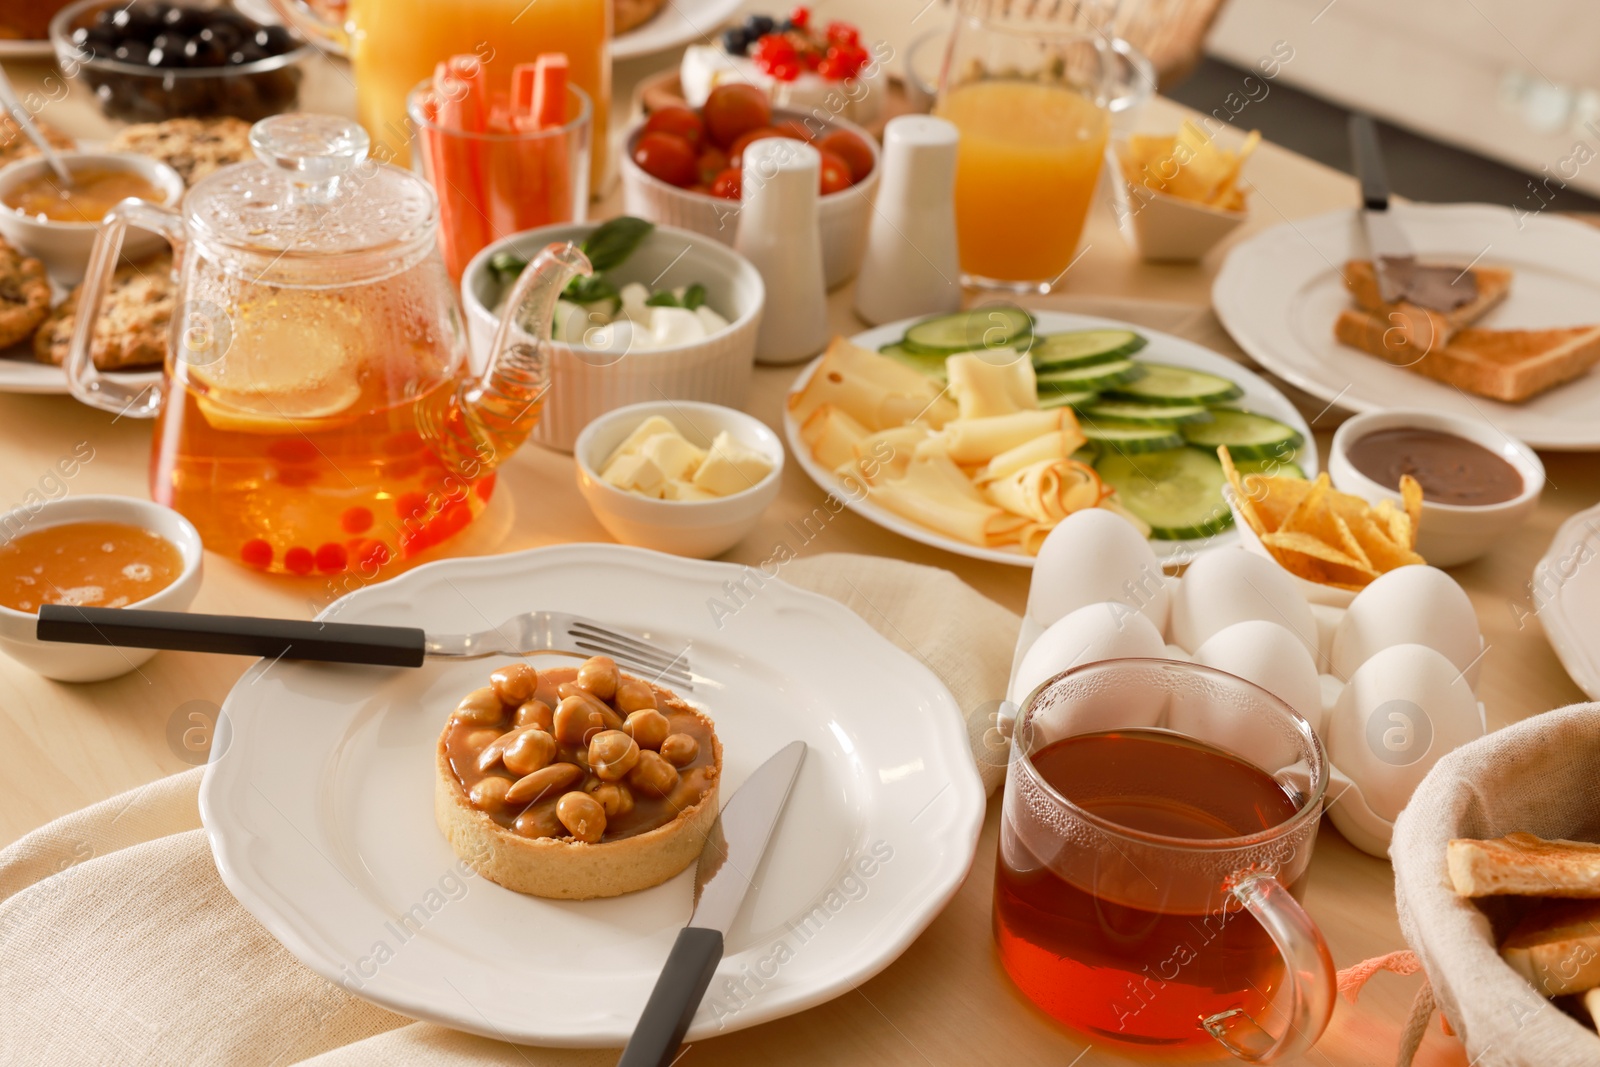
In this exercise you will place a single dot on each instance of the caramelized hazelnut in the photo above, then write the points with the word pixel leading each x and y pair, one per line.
pixel 576 720
pixel 536 713
pixel 480 707
pixel 612 754
pixel 648 727
pixel 489 794
pixel 614 797
pixel 679 749
pixel 514 684
pixel 478 740
pixel 652 775
pixel 599 676
pixel 692 785
pixel 634 695
pixel 582 815
pixel 539 821
pixel 545 782
pixel 528 750
pixel 569 691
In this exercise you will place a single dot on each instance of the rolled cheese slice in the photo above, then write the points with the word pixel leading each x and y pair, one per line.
pixel 1059 445
pixel 832 436
pixel 973 441
pixel 935 493
pixel 1047 491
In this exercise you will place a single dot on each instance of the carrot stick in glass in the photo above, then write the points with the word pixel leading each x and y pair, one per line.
pixel 459 181
pixel 549 114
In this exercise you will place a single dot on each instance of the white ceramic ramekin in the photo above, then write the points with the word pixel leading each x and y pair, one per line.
pixel 585 384
pixel 95 663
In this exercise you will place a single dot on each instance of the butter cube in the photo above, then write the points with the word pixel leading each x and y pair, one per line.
pixel 676 457
pixel 730 467
pixel 635 473
pixel 677 489
pixel 634 442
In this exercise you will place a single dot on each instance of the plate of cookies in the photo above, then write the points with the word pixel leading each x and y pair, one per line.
pixel 38 312
pixel 450 842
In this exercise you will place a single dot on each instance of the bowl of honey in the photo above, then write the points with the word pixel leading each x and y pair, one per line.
pixel 44 217
pixel 91 551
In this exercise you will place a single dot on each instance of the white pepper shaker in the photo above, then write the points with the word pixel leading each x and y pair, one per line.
pixel 778 233
pixel 911 267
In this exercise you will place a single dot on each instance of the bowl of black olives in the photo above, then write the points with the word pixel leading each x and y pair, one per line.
pixel 152 60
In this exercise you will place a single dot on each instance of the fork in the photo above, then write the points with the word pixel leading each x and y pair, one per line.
pixel 531 633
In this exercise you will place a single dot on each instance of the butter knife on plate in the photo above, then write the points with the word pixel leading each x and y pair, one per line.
pixel 728 862
pixel 1400 276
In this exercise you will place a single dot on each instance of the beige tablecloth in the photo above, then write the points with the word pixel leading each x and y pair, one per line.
pixel 119 944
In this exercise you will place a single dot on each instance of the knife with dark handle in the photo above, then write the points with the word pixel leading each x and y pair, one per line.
pixel 731 855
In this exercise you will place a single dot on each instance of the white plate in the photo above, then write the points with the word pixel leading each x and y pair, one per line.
pixel 1279 293
pixel 12 49
pixel 1259 396
pixel 21 373
pixel 679 22
pixel 319 805
pixel 1566 595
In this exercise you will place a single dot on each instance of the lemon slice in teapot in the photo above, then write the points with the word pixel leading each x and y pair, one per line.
pixel 284 369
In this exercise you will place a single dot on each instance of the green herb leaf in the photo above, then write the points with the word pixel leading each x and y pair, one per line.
pixel 506 267
pixel 583 290
pixel 609 246
pixel 694 296
pixel 662 299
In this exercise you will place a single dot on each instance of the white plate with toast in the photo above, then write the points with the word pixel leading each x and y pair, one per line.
pixel 1566 594
pixel 318 802
pixel 1280 292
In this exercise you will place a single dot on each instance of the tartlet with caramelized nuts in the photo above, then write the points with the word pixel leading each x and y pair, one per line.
pixel 576 783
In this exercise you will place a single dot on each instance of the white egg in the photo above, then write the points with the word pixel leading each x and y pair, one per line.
pixel 1173 652
pixel 1273 658
pixel 1398 714
pixel 1409 605
pixel 1093 556
pixel 1093 632
pixel 1230 585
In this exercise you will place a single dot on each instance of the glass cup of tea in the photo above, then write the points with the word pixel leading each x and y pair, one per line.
pixel 1154 842
pixel 1033 105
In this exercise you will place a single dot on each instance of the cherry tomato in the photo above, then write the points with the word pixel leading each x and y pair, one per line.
pixel 736 150
pixel 661 155
pixel 835 173
pixel 850 148
pixel 729 184
pixel 713 161
pixel 680 122
pixel 733 109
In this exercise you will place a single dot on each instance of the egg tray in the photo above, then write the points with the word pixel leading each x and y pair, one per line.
pixel 1346 805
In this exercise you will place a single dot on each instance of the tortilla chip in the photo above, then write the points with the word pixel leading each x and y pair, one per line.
pixel 1242 502
pixel 1380 549
pixel 1411 496
pixel 1305 556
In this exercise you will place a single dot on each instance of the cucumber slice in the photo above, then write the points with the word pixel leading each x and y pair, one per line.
pixel 1247 435
pixel 921 362
pixel 1113 436
pixel 1178 492
pixel 1281 468
pixel 1083 347
pixel 1163 384
pixel 990 327
pixel 1052 398
pixel 1095 377
pixel 1158 414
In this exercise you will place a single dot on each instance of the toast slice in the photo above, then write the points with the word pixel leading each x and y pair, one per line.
pixel 1507 365
pixel 1425 328
pixel 1556 946
pixel 1526 865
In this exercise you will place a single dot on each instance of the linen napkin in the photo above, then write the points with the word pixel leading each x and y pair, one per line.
pixel 120 944
pixel 1542 776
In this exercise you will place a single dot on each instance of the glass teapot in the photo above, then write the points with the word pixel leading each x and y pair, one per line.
pixel 317 414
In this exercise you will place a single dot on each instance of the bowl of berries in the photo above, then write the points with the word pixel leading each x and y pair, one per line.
pixel 152 60
pixel 684 167
pixel 798 62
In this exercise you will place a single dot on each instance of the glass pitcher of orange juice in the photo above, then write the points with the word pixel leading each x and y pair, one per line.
pixel 315 415
pixel 394 44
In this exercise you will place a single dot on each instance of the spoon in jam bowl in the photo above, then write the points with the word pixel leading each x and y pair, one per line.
pixel 531 633
pixel 19 114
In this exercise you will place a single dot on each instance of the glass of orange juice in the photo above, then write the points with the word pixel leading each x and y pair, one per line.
pixel 1033 107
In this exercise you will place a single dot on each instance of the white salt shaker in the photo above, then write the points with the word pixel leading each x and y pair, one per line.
pixel 911 267
pixel 778 233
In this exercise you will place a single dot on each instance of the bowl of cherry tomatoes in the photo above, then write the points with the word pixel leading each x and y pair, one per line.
pixel 683 167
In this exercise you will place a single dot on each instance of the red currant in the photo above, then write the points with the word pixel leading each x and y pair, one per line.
pixel 801 17
pixel 843 33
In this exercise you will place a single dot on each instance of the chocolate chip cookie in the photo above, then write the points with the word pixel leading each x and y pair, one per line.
pixel 192 147
pixel 132 331
pixel 14 144
pixel 24 295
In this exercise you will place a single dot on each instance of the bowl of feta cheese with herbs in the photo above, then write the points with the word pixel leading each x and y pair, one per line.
pixel 667 314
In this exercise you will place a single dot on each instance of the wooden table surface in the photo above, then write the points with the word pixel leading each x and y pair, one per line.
pixel 946 1000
